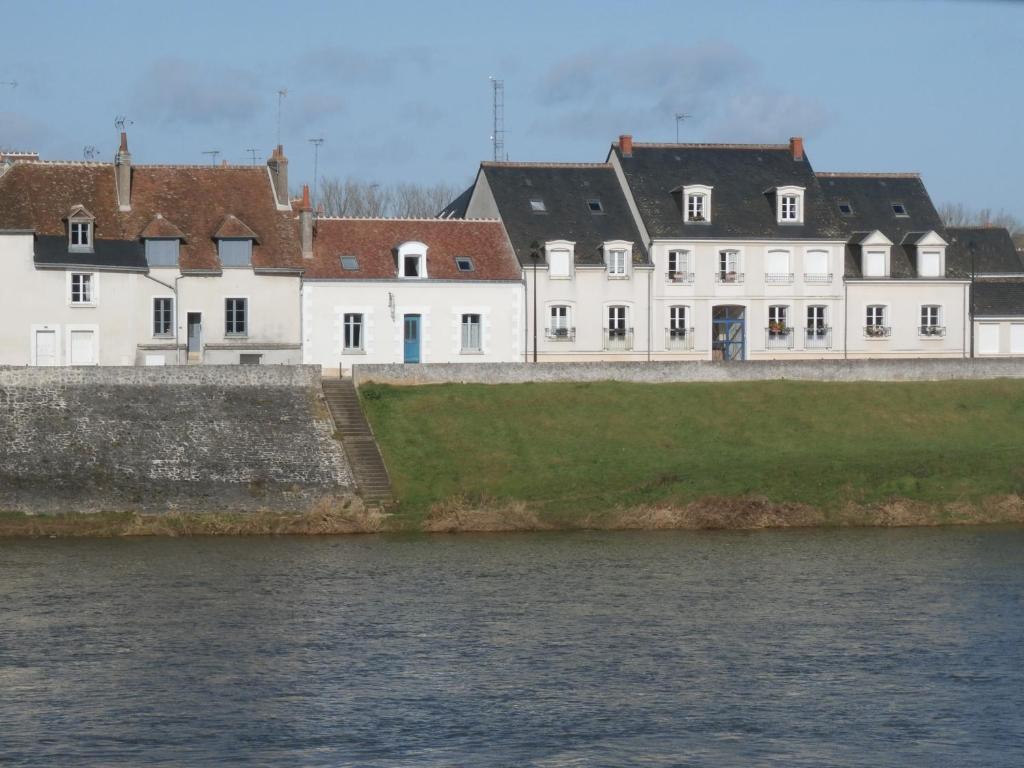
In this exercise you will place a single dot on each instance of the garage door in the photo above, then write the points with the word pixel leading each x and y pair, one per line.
pixel 988 339
pixel 1017 338
pixel 83 348
pixel 46 347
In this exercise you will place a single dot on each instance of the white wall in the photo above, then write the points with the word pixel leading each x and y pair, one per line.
pixel 384 304
pixel 903 300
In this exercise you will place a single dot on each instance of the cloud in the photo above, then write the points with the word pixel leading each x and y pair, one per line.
pixel 351 67
pixel 173 90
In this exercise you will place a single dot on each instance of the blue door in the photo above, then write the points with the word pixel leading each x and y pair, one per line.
pixel 728 340
pixel 412 338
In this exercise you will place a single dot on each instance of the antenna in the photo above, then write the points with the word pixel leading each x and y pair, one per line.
pixel 680 117
pixel 252 154
pixel 12 83
pixel 121 121
pixel 89 152
pixel 213 155
pixel 316 159
pixel 280 97
pixel 498 129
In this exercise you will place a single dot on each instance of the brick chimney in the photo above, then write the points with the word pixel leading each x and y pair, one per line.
pixel 123 174
pixel 278 165
pixel 796 146
pixel 626 145
pixel 306 224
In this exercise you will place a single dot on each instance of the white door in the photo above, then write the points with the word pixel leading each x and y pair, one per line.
pixel 83 348
pixel 46 348
pixel 988 339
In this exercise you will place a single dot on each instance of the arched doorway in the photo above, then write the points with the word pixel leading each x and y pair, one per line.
pixel 728 332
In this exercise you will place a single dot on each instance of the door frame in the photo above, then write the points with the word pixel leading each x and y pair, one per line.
pixel 728 322
pixel 91 327
pixel 55 330
pixel 188 335
pixel 406 317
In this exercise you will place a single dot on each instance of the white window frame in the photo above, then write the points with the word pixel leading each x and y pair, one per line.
pixel 679 318
pixel 884 253
pixel 721 267
pixel 774 277
pixel 93 289
pixel 466 328
pixel 617 256
pixel 789 205
pixel 220 255
pixel 702 193
pixel 937 253
pixel 930 316
pixel 817 317
pixel 778 315
pixel 246 317
pixel 679 272
pixel 153 318
pixel 556 246
pixel 151 243
pixel 81 224
pixel 876 316
pixel 413 249
pixel 357 323
pixel 559 319
pixel 818 277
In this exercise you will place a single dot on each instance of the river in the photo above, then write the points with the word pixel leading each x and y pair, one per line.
pixel 779 648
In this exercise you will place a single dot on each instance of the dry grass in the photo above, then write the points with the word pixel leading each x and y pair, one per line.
pixel 460 515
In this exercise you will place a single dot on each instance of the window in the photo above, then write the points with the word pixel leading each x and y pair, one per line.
pixel 679 267
pixel 929 264
pixel 617 319
pixel 163 317
pixel 789 208
pixel 559 328
pixel 845 208
pixel 817 327
pixel 696 207
pixel 874 264
pixel 595 206
pixel 617 335
pixel 352 324
pixel 82 288
pixel 471 333
pixel 80 234
pixel 236 317
pixel 777 269
pixel 162 253
pixel 558 263
pixel 778 316
pixel 617 263
pixel 931 325
pixel 349 263
pixel 537 206
pixel 411 265
pixel 816 267
pixel 874 321
pixel 464 263
pixel 235 253
pixel 728 267
pixel 899 209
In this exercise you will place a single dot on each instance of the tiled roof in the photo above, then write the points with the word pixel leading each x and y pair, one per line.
pixel 161 227
pixel 194 199
pixel 994 251
pixel 566 190
pixel 374 243
pixel 744 177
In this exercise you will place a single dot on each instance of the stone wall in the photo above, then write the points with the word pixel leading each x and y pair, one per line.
pixel 659 372
pixel 202 438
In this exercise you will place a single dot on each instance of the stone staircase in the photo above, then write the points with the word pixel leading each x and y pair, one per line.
pixel 361 448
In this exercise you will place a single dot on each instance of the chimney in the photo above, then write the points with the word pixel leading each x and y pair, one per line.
pixel 626 145
pixel 306 224
pixel 796 146
pixel 123 174
pixel 278 165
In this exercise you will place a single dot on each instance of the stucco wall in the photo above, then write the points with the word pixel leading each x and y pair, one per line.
pixel 155 439
pixel 660 372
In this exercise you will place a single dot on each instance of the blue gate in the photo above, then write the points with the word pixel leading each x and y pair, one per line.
pixel 728 338
pixel 412 338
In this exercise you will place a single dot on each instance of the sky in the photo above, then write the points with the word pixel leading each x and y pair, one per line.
pixel 400 92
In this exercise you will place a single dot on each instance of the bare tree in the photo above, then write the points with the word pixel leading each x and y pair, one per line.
pixel 959 215
pixel 354 197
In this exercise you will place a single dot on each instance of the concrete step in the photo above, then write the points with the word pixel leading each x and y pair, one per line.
pixel 368 468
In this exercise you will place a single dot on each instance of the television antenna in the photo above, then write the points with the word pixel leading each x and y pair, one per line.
pixel 120 122
pixel 498 121
pixel 680 117
pixel 281 94
pixel 11 83
pixel 89 152
pixel 252 154
pixel 316 159
pixel 213 155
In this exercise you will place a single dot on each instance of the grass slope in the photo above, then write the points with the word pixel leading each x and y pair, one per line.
pixel 569 449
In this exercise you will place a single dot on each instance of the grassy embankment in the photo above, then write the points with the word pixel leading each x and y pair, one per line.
pixel 702 455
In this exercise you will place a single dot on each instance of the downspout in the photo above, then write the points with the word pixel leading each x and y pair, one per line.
pixel 526 319
pixel 650 313
pixel 846 318
pixel 174 290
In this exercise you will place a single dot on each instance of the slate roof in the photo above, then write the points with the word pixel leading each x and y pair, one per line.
pixel 994 250
pixel 744 177
pixel 565 190
pixel 374 243
pixel 999 299
pixel 194 199
pixel 457 208
pixel 871 196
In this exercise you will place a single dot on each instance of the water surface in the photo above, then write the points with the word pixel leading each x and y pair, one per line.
pixel 807 648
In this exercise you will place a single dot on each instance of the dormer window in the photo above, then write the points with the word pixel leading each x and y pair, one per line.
pixel 412 261
pixel 235 253
pixel 697 204
pixel 161 252
pixel 790 205
pixel 617 255
pixel 80 229
pixel 559 255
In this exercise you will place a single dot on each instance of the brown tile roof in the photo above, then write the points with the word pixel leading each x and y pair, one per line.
pixel 233 227
pixel 197 199
pixel 374 242
pixel 161 227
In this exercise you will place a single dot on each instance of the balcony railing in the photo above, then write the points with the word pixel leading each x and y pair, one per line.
pixel 877 331
pixel 932 331
pixel 779 278
pixel 560 334
pixel 680 277
pixel 618 339
pixel 728 277
pixel 678 338
pixel 817 277
pixel 818 337
pixel 778 338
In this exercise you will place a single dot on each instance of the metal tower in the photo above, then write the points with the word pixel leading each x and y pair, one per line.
pixel 498 129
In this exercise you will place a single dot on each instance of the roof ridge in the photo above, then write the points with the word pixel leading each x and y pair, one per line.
pixel 511 164
pixel 106 164
pixel 703 145
pixel 869 175
pixel 406 218
pixel 40 161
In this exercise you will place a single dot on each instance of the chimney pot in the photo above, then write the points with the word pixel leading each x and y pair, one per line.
pixel 123 174
pixel 306 224
pixel 278 165
pixel 626 145
pixel 796 146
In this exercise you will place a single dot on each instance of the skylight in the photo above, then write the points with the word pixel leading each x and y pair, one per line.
pixel 846 209
pixel 350 263
pixel 537 206
pixel 464 263
pixel 899 209
pixel 595 205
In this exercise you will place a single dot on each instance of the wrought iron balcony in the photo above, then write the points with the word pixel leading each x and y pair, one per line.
pixel 680 277
pixel 779 278
pixel 618 339
pixel 728 277
pixel 678 338
pixel 818 337
pixel 817 277
pixel 778 337
pixel 932 330
pixel 877 331
pixel 560 334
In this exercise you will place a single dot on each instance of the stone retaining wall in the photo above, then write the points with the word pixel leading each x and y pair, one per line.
pixel 661 372
pixel 202 438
